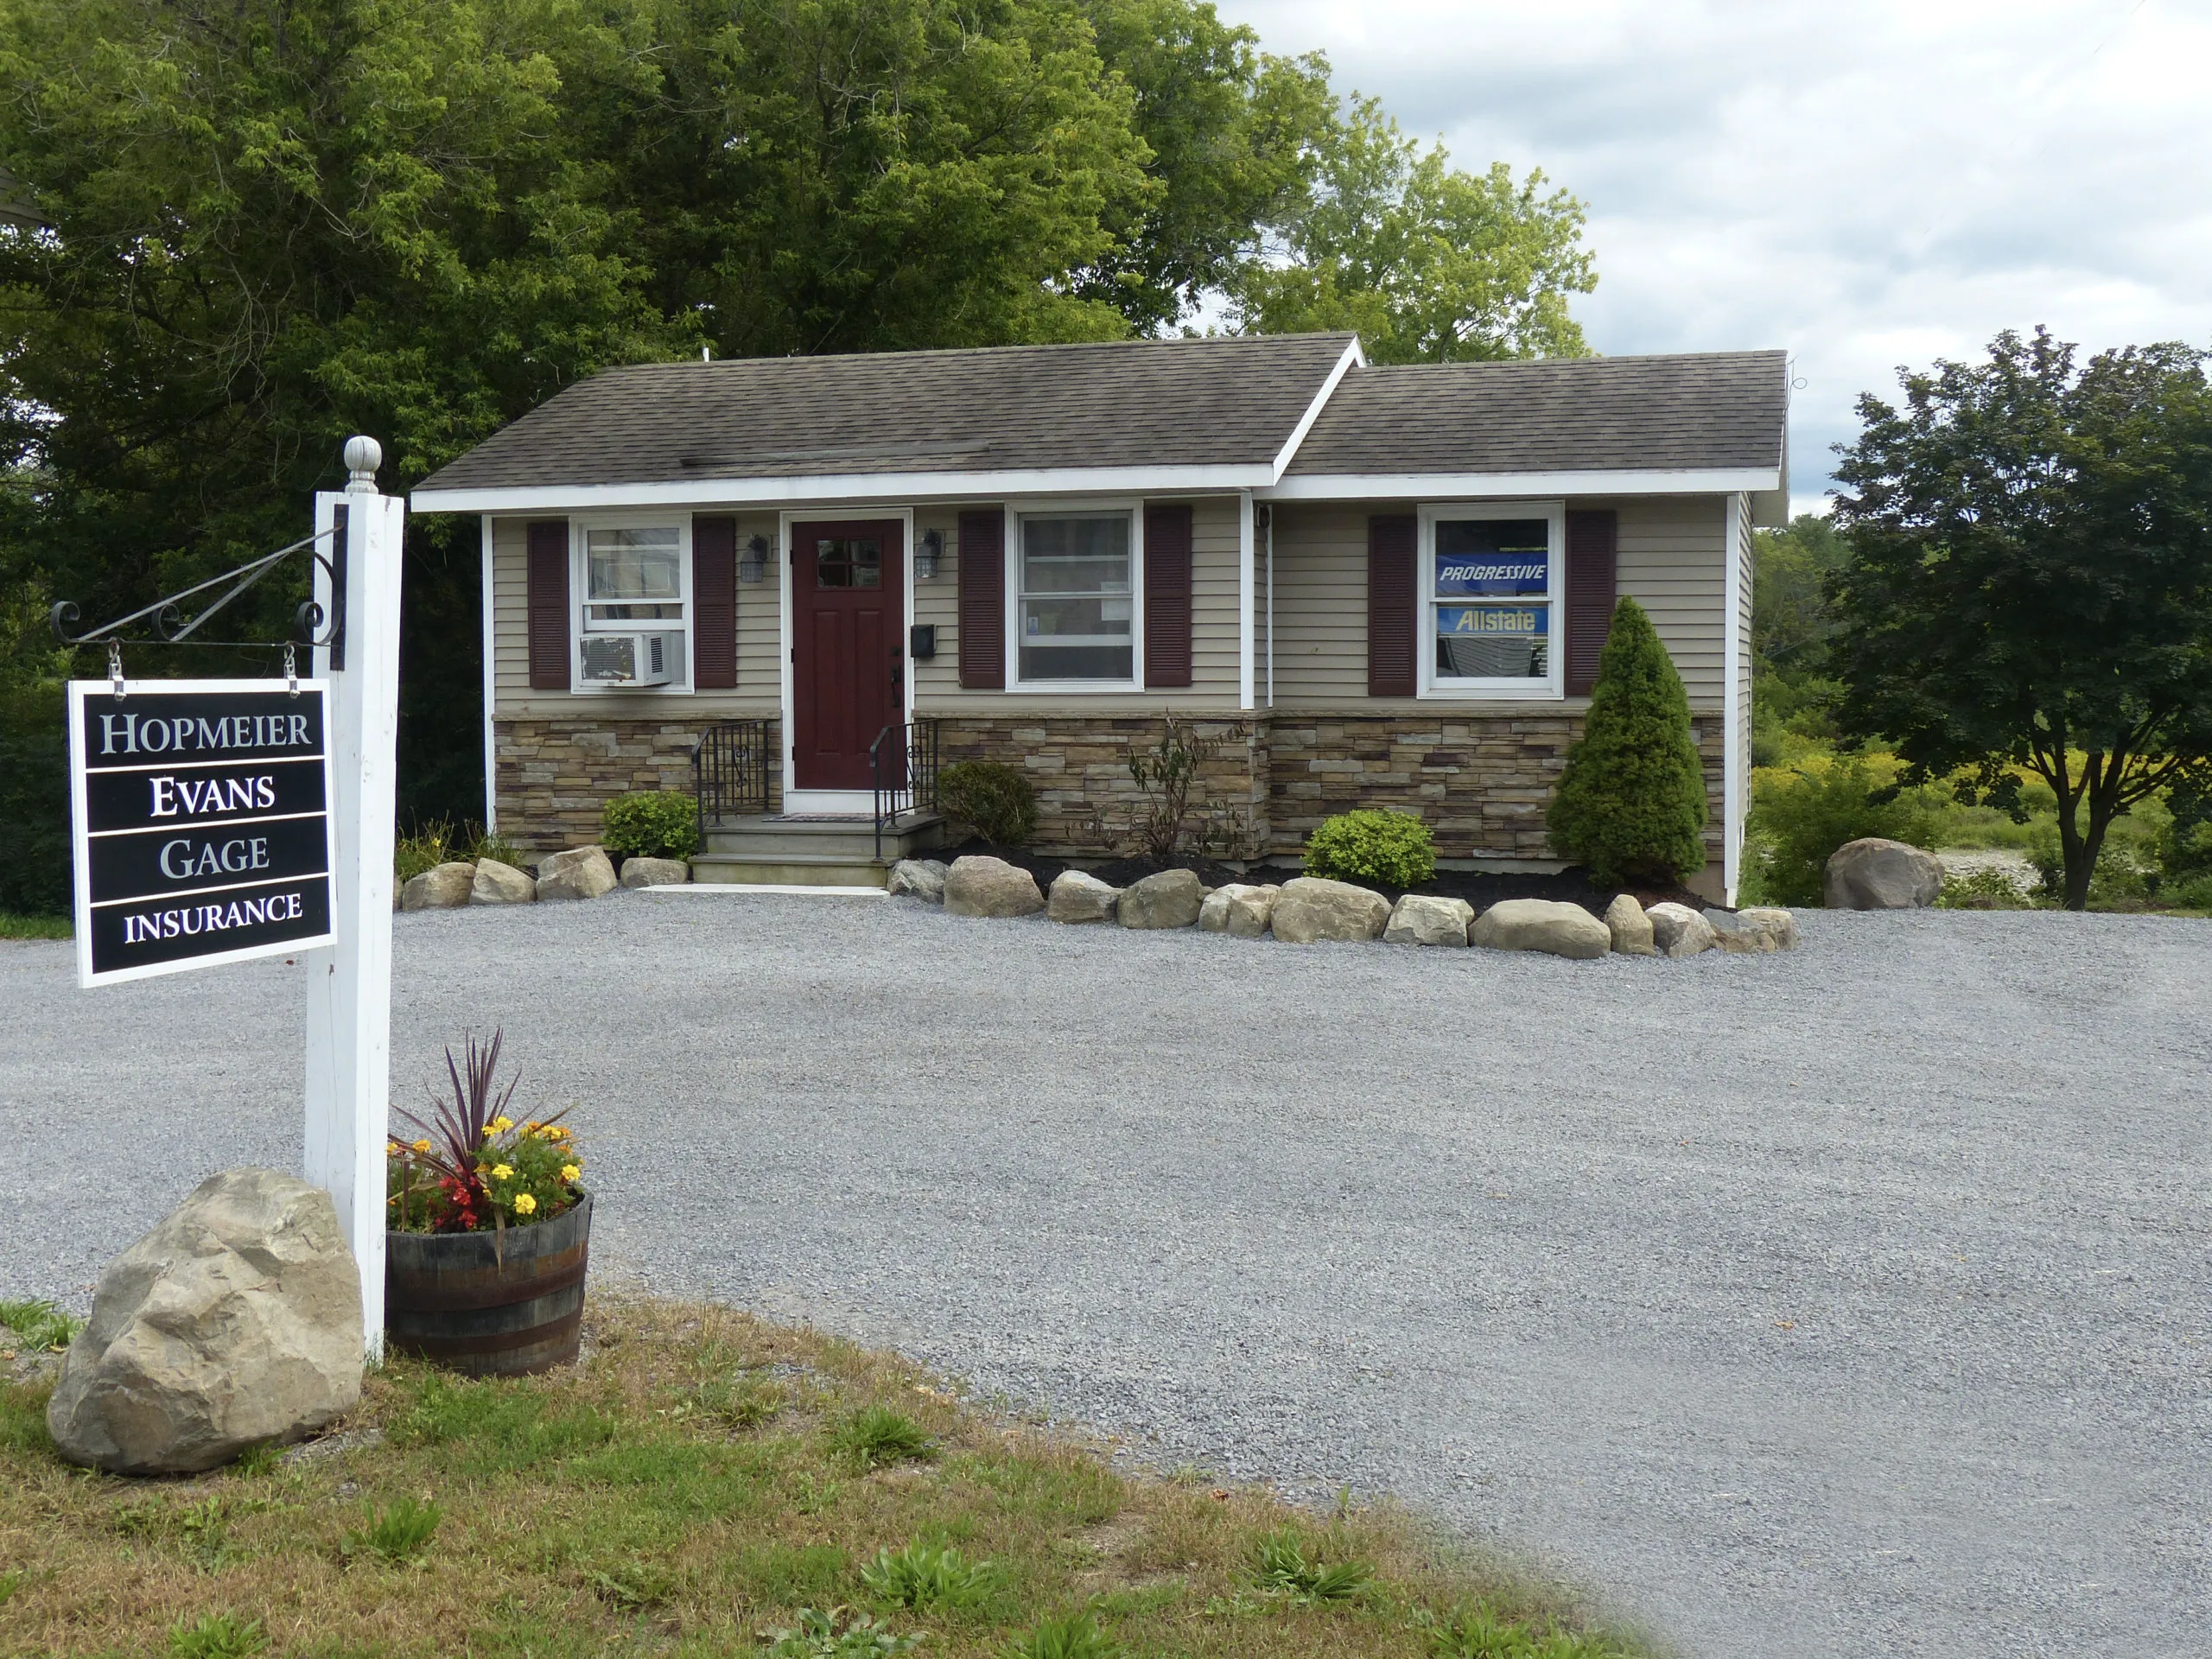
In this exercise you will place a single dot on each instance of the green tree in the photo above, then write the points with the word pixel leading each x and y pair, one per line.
pixel 1791 621
pixel 1428 264
pixel 2030 582
pixel 1631 802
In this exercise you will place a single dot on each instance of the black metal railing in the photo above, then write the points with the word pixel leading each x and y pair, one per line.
pixel 729 771
pixel 903 763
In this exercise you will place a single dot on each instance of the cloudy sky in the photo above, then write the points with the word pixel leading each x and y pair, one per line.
pixel 1865 184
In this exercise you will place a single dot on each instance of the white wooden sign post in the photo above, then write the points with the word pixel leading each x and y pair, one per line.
pixel 349 982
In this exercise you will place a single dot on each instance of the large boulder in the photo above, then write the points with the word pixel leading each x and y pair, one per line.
pixel 1078 896
pixel 1678 930
pixel 1872 873
pixel 1735 934
pixel 917 878
pixel 1172 899
pixel 236 1322
pixel 501 884
pixel 1547 924
pixel 1313 908
pixel 1238 909
pixel 655 872
pixel 1423 918
pixel 1629 928
pixel 580 873
pixel 444 887
pixel 1778 924
pixel 990 887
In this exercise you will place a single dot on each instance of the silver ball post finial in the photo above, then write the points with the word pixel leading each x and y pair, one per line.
pixel 363 456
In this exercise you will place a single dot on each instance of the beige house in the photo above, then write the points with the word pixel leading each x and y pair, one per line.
pixel 800 584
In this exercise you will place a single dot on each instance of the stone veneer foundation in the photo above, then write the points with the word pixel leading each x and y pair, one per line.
pixel 1481 781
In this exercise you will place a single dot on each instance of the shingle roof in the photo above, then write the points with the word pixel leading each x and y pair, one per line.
pixel 1710 410
pixel 1226 401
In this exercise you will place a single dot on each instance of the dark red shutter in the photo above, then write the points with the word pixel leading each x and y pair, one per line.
pixel 1166 596
pixel 1393 605
pixel 548 604
pixel 714 603
pixel 982 554
pixel 1592 543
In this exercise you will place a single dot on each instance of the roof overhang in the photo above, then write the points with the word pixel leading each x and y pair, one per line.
pixel 1434 487
pixel 848 487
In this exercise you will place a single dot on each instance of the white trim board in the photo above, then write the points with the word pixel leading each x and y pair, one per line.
pixel 705 494
pixel 1436 486
pixel 1734 542
pixel 1353 357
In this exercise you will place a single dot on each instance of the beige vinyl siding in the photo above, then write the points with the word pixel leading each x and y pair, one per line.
pixel 1213 627
pixel 758 631
pixel 1671 559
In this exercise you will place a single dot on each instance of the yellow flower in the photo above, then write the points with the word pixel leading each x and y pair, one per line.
pixel 532 1125
pixel 422 1146
pixel 500 1172
pixel 524 1205
pixel 501 1125
pixel 572 1173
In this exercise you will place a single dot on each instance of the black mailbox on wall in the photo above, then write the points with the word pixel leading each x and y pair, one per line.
pixel 921 641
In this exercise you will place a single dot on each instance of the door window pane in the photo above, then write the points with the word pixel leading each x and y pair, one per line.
pixel 848 562
pixel 1490 592
pixel 635 575
pixel 1076 605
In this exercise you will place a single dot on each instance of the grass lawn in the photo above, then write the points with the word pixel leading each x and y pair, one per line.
pixel 702 1478
pixel 12 926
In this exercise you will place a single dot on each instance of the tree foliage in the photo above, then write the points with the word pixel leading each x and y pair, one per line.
pixel 231 235
pixel 2030 582
pixel 1791 621
pixel 1631 802
pixel 1430 264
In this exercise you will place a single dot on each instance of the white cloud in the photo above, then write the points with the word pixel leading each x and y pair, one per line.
pixel 1867 185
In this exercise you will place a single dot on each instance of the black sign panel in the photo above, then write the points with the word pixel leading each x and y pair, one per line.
pixel 202 823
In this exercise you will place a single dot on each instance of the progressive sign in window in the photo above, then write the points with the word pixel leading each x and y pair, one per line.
pixel 202 830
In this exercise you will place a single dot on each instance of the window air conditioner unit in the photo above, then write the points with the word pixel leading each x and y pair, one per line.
pixel 631 658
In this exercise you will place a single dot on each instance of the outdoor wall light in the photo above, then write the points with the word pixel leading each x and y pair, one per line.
pixel 754 564
pixel 927 555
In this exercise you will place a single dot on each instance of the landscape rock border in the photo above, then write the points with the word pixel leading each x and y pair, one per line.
pixel 1310 909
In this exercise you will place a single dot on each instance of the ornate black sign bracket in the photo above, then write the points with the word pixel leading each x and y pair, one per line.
pixel 170 627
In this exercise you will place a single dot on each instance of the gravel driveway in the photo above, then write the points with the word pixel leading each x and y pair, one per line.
pixel 1852 1302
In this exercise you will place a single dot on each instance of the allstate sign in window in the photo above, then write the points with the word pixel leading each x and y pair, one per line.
pixel 1506 564
pixel 202 823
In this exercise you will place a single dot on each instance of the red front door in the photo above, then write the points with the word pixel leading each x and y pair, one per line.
pixel 848 657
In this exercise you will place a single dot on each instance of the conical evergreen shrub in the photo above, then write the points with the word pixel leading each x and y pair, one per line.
pixel 1631 805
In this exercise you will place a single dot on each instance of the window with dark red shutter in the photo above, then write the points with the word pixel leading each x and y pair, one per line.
pixel 714 590
pixel 547 604
pixel 1166 596
pixel 982 556
pixel 1393 605
pixel 1592 551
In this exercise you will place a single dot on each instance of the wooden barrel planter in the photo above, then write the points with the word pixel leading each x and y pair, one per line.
pixel 497 1304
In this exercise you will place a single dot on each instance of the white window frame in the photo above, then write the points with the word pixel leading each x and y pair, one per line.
pixel 1553 687
pixel 580 528
pixel 1077 509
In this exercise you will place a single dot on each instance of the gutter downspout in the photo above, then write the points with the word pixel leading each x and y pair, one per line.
pixel 1735 540
pixel 1247 599
pixel 491 683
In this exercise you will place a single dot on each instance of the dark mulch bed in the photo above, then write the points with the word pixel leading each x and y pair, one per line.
pixel 1480 888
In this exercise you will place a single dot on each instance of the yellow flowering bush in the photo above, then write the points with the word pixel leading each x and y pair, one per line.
pixel 478 1168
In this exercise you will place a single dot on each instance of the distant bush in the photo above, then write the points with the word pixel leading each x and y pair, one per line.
pixel 1630 804
pixel 1797 824
pixel 650 823
pixel 35 877
pixel 990 798
pixel 437 842
pixel 2185 848
pixel 1983 889
pixel 1392 849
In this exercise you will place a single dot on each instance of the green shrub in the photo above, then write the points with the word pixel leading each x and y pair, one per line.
pixel 1631 804
pixel 1798 822
pixel 2185 847
pixel 1393 850
pixel 990 798
pixel 650 823
pixel 435 842
pixel 35 877
pixel 1983 889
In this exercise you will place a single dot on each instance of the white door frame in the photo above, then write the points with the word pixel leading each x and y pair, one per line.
pixel 836 802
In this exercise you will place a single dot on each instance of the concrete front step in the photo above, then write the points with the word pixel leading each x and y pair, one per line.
pixel 812 851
